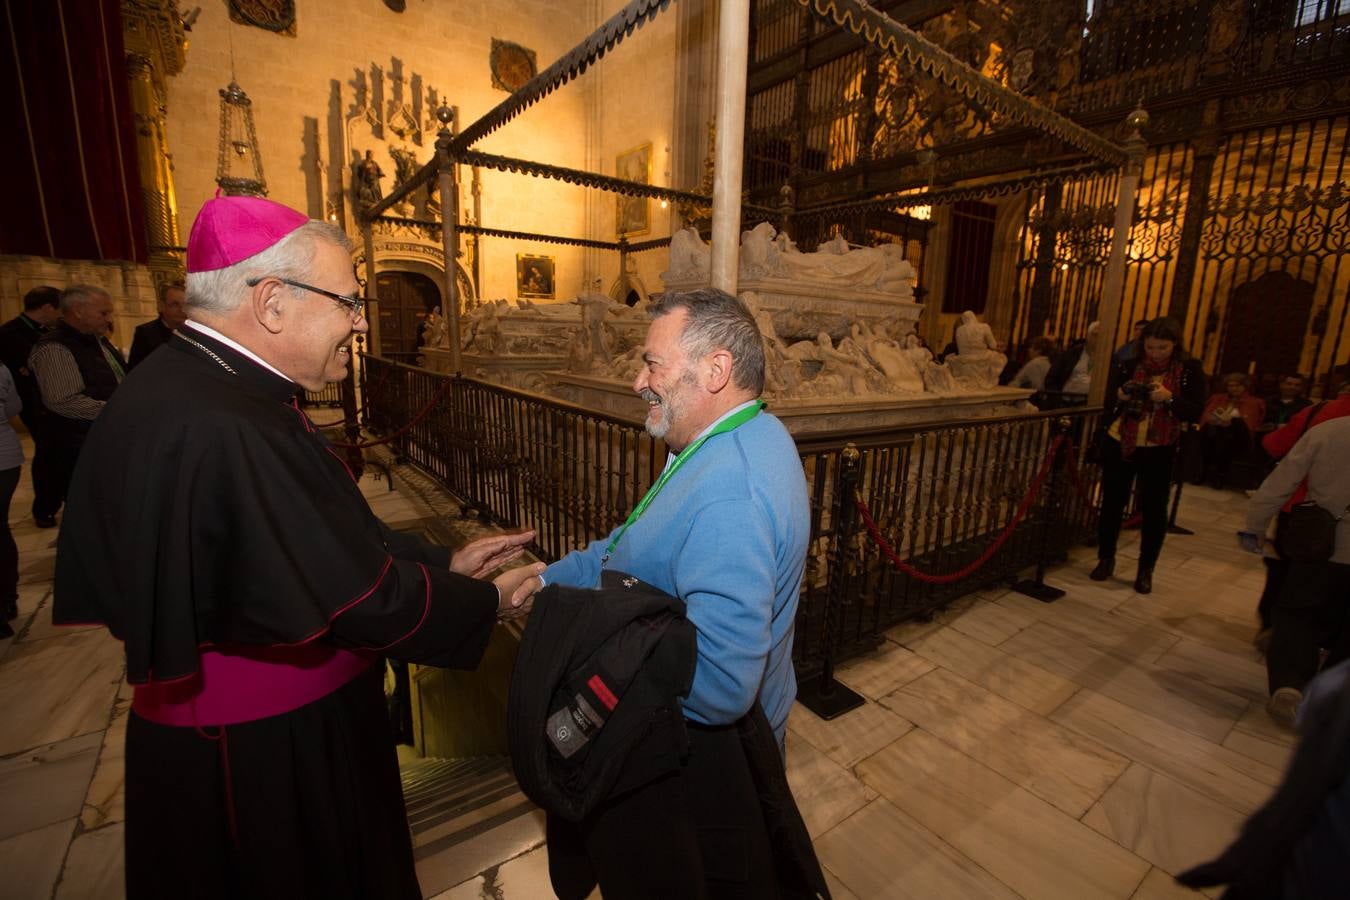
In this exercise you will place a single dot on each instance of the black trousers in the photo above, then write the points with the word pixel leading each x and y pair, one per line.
pixel 58 465
pixel 1152 467
pixel 9 552
pixel 695 833
pixel 1312 614
pixel 1276 571
pixel 48 488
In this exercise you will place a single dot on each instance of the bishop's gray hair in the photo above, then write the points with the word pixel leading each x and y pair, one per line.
pixel 718 321
pixel 222 290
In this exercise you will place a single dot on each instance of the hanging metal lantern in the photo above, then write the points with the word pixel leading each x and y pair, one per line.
pixel 239 165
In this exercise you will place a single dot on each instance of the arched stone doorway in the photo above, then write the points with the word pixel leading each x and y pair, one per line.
pixel 405 300
pixel 1267 324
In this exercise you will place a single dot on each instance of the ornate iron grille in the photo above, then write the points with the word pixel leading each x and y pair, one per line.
pixel 778 27
pixel 1066 242
pixel 834 107
pixel 940 492
pixel 1293 32
pixel 769 137
pixel 1272 251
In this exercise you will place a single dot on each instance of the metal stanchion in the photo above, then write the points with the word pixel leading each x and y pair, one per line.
pixel 821 693
pixel 1036 587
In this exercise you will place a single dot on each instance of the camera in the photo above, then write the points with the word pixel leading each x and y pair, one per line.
pixel 1136 400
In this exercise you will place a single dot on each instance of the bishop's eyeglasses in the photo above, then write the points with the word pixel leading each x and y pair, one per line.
pixel 353 304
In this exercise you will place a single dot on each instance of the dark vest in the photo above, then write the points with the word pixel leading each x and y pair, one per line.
pixel 99 379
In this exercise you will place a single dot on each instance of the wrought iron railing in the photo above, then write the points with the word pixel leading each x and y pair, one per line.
pixel 939 493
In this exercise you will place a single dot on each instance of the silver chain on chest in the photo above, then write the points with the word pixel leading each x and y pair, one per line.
pixel 209 352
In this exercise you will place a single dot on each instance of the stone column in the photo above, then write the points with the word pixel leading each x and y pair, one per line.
pixel 732 50
pixel 449 237
pixel 1113 284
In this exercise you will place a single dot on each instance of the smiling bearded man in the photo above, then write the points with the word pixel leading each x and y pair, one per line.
pixel 219 536
pixel 725 530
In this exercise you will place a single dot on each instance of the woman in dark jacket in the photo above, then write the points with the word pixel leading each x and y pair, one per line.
pixel 1148 397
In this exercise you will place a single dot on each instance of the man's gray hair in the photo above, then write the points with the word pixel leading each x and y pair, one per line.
pixel 79 294
pixel 222 290
pixel 718 321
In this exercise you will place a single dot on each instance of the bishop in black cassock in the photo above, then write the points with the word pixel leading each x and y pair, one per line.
pixel 220 537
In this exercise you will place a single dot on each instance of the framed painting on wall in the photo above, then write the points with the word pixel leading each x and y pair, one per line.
pixel 534 276
pixel 634 215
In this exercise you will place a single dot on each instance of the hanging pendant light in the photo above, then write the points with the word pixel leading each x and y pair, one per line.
pixel 239 165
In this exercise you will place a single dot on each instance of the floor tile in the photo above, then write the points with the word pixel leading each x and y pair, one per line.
pixel 878 673
pixel 106 800
pixel 1240 673
pixel 1158 885
pixel 825 792
pixel 991 623
pixel 881 852
pixel 855 735
pixel 1232 779
pixel 1273 753
pixel 523 877
pixel 46 785
pixel 31 862
pixel 837 889
pixel 1054 763
pixel 58 688
pixel 1164 821
pixel 453 865
pixel 94 867
pixel 1013 679
pixel 1020 839
pixel 1194 706
pixel 41 626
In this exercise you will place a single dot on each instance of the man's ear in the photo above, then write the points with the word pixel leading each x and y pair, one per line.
pixel 268 303
pixel 719 370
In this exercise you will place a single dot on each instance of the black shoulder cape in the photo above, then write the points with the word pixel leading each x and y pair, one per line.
pixel 206 509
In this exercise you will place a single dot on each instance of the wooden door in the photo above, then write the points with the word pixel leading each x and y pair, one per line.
pixel 1267 323
pixel 405 300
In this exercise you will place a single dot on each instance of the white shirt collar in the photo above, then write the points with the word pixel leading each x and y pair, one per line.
pixel 236 346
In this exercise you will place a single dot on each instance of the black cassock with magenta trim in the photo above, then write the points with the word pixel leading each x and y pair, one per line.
pixel 217 534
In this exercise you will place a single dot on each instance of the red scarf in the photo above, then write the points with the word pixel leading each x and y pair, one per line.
pixel 1163 427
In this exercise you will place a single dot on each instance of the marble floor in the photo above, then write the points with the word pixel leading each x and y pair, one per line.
pixel 1092 747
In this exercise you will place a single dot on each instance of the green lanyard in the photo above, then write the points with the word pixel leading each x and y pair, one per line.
pixel 730 423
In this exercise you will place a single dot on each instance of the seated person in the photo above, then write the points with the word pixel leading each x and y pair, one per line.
pixel 1032 374
pixel 1292 400
pixel 1226 428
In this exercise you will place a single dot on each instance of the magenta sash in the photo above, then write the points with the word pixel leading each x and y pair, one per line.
pixel 243 684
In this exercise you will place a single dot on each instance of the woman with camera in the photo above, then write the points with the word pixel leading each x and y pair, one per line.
pixel 1148 398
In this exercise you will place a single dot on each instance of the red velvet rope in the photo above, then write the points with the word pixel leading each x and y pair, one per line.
pixel 1075 475
pixel 362 445
pixel 1022 509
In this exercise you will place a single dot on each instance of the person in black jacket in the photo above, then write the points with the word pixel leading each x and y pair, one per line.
pixel 154 334
pixel 41 309
pixel 1148 399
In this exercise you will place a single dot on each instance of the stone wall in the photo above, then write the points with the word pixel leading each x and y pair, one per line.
pixel 131 287
pixel 307 89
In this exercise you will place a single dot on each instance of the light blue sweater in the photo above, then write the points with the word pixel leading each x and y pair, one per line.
pixel 728 536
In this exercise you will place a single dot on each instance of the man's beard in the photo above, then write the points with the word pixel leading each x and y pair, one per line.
pixel 670 406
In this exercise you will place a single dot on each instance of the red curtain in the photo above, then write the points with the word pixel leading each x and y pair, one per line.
pixel 74 188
